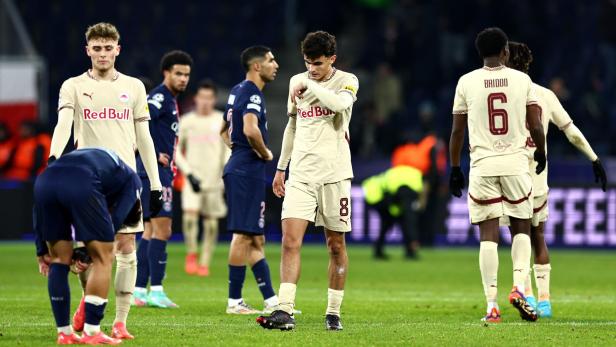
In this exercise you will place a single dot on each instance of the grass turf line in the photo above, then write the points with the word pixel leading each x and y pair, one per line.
pixel 436 301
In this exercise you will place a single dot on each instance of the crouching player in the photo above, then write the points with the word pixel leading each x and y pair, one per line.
pixel 97 193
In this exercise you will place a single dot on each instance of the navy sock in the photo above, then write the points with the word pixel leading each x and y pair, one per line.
pixel 59 293
pixel 143 266
pixel 237 274
pixel 94 313
pixel 262 274
pixel 158 261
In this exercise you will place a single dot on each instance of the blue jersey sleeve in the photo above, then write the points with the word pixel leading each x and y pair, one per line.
pixel 253 103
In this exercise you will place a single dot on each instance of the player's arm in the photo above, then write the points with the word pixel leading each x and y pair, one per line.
pixel 145 145
pixel 561 118
pixel 224 133
pixel 535 128
pixel 66 112
pixel 456 140
pixel 336 101
pixel 61 133
pixel 255 138
pixel 285 156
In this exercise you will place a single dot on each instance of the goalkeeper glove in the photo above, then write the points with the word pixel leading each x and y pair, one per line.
pixel 599 172
pixel 156 202
pixel 195 183
pixel 539 157
pixel 456 181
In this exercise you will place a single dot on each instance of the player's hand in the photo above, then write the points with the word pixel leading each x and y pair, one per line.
pixel 78 267
pixel 298 91
pixel 599 172
pixel 156 202
pixel 456 181
pixel 163 159
pixel 269 156
pixel 43 264
pixel 195 183
pixel 278 183
pixel 539 157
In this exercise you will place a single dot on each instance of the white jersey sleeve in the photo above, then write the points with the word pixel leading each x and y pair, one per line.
pixel 459 100
pixel 558 114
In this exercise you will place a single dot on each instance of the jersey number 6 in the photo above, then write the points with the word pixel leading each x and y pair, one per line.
pixel 497 117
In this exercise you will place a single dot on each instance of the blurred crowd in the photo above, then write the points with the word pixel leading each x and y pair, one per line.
pixel 23 154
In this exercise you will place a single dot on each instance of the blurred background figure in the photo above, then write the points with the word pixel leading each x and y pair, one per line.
pixel 397 195
pixel 201 156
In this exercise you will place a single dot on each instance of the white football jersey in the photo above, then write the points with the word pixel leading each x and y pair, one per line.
pixel 321 152
pixel 495 101
pixel 203 147
pixel 551 112
pixel 105 112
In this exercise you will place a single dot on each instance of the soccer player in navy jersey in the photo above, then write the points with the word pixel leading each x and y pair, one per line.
pixel 152 251
pixel 97 193
pixel 245 131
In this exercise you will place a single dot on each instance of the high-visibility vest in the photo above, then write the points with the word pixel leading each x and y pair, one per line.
pixel 388 182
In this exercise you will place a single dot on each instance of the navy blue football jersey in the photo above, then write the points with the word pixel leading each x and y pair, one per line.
pixel 245 98
pixel 163 124
pixel 95 170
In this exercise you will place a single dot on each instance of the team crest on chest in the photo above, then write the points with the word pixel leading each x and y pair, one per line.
pixel 124 97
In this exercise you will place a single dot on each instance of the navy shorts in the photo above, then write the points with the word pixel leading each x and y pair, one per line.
pixel 166 180
pixel 65 196
pixel 246 204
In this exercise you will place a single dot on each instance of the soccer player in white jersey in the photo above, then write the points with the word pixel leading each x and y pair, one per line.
pixel 201 156
pixel 551 112
pixel 109 110
pixel 316 141
pixel 496 102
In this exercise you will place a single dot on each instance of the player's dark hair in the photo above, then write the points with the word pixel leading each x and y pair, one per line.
pixel 520 56
pixel 490 42
pixel 175 58
pixel 208 84
pixel 252 52
pixel 319 43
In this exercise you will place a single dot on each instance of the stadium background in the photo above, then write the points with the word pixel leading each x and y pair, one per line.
pixel 408 56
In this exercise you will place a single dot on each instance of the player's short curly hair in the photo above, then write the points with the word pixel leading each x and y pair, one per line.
pixel 102 30
pixel 490 42
pixel 520 56
pixel 319 43
pixel 175 58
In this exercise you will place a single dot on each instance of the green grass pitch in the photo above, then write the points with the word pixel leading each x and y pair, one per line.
pixel 436 301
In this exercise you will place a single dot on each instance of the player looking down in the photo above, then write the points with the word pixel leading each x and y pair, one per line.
pixel 496 103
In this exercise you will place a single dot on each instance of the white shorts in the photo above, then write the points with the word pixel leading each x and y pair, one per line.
pixel 496 196
pixel 209 203
pixel 328 205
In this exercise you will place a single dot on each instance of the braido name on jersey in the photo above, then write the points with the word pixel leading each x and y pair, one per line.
pixel 314 111
pixel 106 113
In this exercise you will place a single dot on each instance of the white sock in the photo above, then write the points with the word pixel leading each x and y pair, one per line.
pixel 334 301
pixel 95 300
pixel 156 288
pixel 126 275
pixel 491 305
pixel 66 330
pixel 528 286
pixel 520 255
pixel 286 294
pixel 542 279
pixel 488 266
pixel 273 301
pixel 234 302
pixel 91 330
pixel 141 290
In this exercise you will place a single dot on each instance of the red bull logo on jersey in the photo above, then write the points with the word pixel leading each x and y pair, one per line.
pixel 314 111
pixel 106 114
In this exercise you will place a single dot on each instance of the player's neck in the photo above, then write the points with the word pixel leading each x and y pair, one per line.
pixel 103 75
pixel 173 91
pixel 204 113
pixel 254 77
pixel 492 62
pixel 328 75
